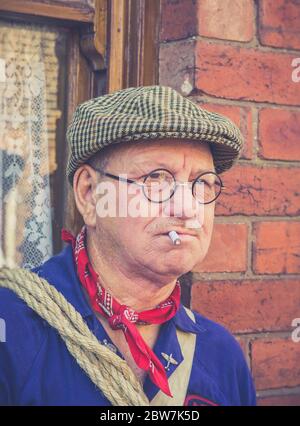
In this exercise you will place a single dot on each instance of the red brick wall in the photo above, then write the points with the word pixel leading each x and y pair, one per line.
pixel 235 57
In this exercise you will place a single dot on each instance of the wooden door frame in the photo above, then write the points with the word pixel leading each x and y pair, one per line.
pixel 133 43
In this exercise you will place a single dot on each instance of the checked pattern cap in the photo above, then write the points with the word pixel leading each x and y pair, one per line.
pixel 149 113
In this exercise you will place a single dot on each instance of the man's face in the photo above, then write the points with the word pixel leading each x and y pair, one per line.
pixel 141 242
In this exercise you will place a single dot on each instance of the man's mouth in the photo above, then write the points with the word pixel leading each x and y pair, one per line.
pixel 180 231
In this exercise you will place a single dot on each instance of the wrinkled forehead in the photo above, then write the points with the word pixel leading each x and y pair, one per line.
pixel 165 153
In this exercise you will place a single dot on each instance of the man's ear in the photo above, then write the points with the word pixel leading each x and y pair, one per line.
pixel 84 187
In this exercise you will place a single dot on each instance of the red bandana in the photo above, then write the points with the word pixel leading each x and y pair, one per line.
pixel 121 316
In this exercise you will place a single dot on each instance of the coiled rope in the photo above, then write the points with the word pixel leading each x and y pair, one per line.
pixel 108 371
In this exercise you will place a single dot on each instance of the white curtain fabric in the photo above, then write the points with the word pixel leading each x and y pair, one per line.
pixel 25 215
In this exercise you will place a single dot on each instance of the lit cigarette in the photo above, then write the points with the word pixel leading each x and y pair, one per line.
pixel 174 237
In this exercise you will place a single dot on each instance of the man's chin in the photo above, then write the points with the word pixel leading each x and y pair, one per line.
pixel 180 264
pixel 176 269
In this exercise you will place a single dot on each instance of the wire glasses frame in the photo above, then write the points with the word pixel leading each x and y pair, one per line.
pixel 175 183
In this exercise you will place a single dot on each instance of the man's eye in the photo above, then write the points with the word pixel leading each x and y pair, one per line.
pixel 155 176
pixel 208 184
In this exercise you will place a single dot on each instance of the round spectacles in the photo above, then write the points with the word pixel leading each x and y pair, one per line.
pixel 160 185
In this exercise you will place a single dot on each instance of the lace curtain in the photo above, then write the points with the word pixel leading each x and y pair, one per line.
pixel 25 215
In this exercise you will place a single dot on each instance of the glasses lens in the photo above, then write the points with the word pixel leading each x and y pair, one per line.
pixel 207 187
pixel 159 185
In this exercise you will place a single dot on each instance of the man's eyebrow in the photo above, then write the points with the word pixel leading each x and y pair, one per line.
pixel 161 164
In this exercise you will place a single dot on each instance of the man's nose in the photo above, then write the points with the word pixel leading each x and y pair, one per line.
pixel 183 204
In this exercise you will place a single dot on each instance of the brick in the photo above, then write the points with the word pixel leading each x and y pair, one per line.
pixel 178 73
pixel 260 191
pixel 279 134
pixel 227 251
pixel 275 363
pixel 235 72
pixel 178 19
pixel 226 19
pixel 279 23
pixel 245 306
pixel 242 117
pixel 277 248
pixel 280 401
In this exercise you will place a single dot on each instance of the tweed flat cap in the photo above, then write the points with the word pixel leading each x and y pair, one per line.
pixel 148 113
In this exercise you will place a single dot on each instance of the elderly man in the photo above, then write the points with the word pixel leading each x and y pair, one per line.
pixel 145 168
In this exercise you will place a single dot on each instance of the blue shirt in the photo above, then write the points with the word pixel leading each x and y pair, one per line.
pixel 37 369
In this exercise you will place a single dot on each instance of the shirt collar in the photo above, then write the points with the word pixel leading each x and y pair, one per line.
pixel 185 323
